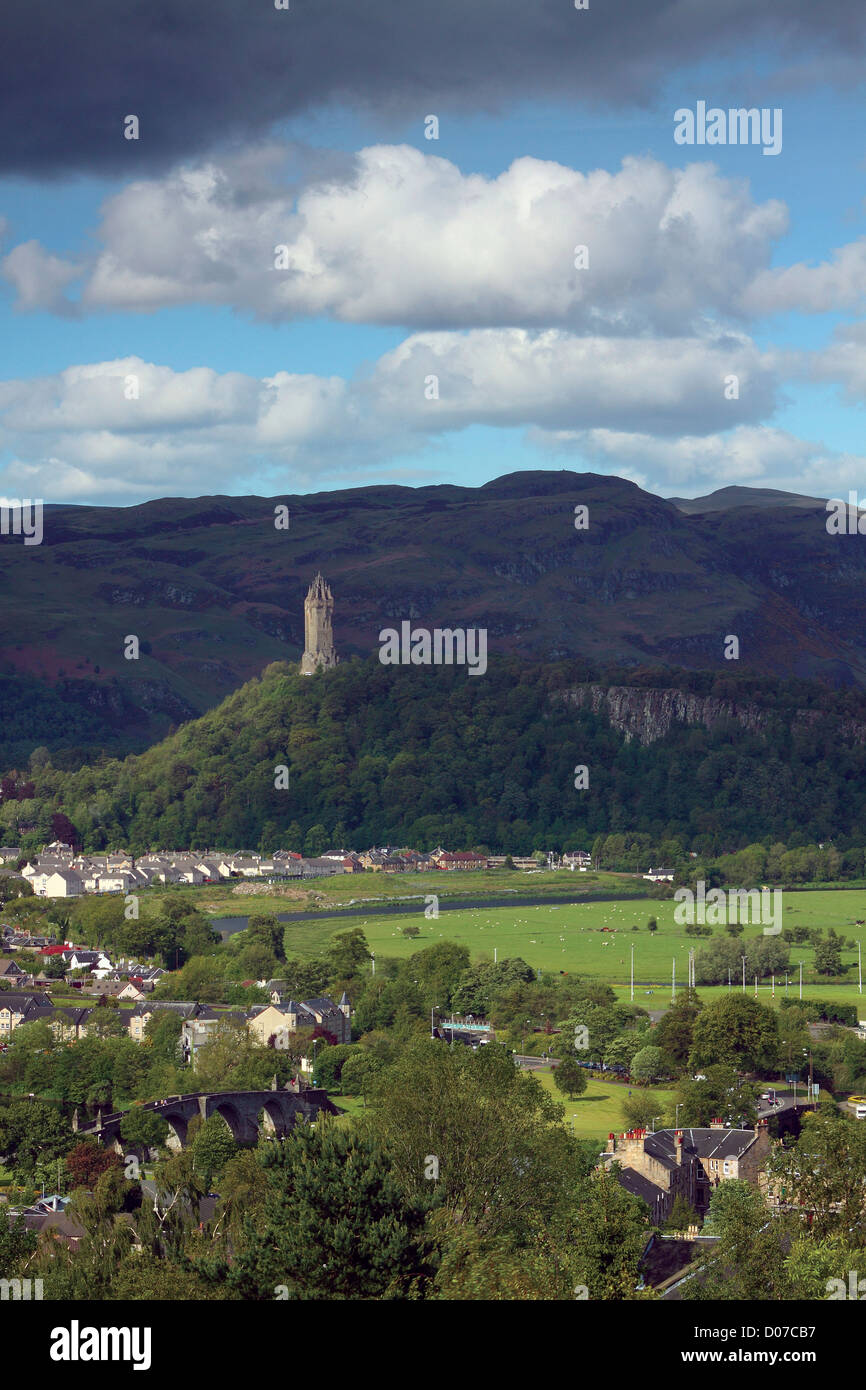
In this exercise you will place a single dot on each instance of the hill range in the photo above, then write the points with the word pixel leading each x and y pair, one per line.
pixel 214 591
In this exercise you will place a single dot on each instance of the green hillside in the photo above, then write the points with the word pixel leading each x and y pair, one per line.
pixel 417 756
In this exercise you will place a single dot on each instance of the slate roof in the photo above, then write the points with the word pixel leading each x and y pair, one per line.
pixel 665 1257
pixel 639 1186
pixel 703 1143
pixel 141 1010
pixel 55 1221
pixel 18 997
pixel 76 1016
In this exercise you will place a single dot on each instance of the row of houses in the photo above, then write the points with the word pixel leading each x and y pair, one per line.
pixel 54 875
pixel 392 860
pixel 58 872
pixel 269 1024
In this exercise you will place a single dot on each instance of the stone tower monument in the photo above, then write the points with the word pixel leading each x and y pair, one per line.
pixel 318 636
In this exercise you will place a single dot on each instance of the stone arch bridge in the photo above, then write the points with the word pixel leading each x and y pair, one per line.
pixel 247 1114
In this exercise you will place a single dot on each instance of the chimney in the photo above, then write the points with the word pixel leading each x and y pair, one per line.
pixel 678 1146
pixel 611 1143
pixel 717 1123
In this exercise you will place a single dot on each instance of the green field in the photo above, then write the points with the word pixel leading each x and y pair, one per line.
pixel 351 1107
pixel 554 936
pixel 599 1110
pixel 570 938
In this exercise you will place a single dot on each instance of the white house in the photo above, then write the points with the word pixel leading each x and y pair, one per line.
pixel 119 882
pixel 62 883
pixel 95 961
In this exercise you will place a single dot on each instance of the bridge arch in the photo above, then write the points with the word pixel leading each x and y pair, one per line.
pixel 230 1113
pixel 271 1119
pixel 177 1128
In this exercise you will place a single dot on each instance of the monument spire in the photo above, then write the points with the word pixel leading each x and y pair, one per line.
pixel 318 632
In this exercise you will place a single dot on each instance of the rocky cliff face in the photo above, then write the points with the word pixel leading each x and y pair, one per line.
pixel 648 715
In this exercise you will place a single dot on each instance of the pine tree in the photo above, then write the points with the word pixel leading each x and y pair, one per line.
pixel 336 1224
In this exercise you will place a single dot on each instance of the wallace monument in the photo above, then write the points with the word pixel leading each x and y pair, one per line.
pixel 318 634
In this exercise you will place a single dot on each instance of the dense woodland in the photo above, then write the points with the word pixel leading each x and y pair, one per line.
pixel 422 756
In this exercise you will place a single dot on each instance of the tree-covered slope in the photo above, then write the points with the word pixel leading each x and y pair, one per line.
pixel 421 755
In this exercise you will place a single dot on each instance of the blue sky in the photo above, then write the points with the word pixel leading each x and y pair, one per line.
pixel 325 387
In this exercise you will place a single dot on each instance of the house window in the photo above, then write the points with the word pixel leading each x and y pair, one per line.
pixel 728 1168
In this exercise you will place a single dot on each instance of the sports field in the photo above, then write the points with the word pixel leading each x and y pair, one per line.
pixel 595 940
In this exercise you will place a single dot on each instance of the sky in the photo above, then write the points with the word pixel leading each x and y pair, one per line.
pixel 400 243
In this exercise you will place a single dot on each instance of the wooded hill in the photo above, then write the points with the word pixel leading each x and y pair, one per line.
pixel 418 756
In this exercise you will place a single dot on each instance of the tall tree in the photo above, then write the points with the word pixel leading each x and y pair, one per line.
pixel 336 1224
pixel 570 1078
pixel 824 1173
pixel 748 1262
pixel 608 1235
pixel 735 1031
pixel 488 1137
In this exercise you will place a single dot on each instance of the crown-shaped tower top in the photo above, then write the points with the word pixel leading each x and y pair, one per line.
pixel 320 590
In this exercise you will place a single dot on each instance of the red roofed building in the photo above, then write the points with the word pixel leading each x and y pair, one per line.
pixel 461 859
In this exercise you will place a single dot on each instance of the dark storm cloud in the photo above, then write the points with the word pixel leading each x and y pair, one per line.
pixel 199 73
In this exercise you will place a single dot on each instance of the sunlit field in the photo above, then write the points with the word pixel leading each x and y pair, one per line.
pixel 596 940
pixel 599 1110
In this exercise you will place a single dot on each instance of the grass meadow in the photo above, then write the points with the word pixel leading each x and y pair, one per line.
pixel 595 940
